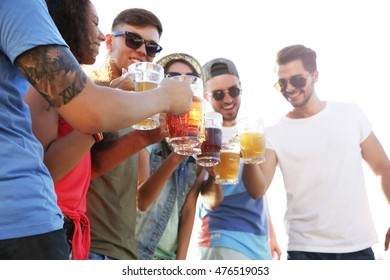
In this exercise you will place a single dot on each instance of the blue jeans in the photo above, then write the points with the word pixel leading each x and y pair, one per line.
pixel 96 256
pixel 366 254
pixel 46 246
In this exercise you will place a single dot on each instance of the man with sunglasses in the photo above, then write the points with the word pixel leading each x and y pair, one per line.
pixel 235 218
pixel 319 146
pixel 111 198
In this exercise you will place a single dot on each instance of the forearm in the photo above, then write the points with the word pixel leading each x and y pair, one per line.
pixel 65 153
pixel 385 183
pixel 117 151
pixel 186 224
pixel 150 189
pixel 254 180
pixel 57 76
pixel 211 193
pixel 106 109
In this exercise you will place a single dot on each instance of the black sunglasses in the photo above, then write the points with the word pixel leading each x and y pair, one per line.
pixel 219 94
pixel 174 74
pixel 134 41
pixel 297 81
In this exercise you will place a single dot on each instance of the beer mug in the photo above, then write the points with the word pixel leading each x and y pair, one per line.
pixel 147 75
pixel 184 131
pixel 252 141
pixel 226 172
pixel 211 146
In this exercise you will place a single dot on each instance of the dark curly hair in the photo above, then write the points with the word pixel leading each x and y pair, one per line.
pixel 71 18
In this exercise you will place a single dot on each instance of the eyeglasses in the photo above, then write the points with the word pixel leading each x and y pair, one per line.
pixel 134 41
pixel 174 74
pixel 297 81
pixel 219 94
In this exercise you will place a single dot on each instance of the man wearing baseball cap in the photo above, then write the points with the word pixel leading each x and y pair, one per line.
pixel 235 220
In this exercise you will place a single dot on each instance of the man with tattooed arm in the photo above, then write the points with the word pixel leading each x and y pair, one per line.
pixel 33 52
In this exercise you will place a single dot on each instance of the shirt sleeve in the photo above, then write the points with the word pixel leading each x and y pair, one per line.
pixel 364 123
pixel 26 24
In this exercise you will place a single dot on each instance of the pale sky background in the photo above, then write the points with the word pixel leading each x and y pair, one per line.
pixel 353 50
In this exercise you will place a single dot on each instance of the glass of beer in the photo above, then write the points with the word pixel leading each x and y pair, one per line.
pixel 252 141
pixel 147 75
pixel 226 172
pixel 211 146
pixel 185 130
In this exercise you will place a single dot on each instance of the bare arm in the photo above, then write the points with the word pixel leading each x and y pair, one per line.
pixel 258 177
pixel 150 189
pixel 54 72
pixel 210 192
pixel 112 153
pixel 375 156
pixel 273 243
pixel 254 180
pixel 143 166
pixel 187 217
pixel 61 154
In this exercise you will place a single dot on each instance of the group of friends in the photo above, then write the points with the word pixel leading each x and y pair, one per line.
pixel 77 182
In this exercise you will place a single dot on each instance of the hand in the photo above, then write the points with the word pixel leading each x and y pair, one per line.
pixel 387 241
pixel 158 134
pixel 274 248
pixel 211 172
pixel 179 94
pixel 124 82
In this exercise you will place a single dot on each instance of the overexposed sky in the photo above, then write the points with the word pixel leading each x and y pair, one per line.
pixel 350 38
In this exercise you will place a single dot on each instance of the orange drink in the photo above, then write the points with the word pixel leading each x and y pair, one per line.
pixel 185 131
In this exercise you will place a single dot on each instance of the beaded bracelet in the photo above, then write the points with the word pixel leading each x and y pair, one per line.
pixel 98 137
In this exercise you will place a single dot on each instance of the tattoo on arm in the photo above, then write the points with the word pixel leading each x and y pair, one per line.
pixel 54 72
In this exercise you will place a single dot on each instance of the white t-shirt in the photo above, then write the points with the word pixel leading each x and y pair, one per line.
pixel 321 163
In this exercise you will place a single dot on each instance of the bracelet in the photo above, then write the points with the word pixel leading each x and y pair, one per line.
pixel 98 137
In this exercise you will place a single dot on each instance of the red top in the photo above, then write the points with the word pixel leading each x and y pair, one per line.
pixel 72 191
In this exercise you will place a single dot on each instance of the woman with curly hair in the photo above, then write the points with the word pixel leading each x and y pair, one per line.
pixel 67 151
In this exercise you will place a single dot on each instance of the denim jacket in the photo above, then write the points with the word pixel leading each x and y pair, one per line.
pixel 152 222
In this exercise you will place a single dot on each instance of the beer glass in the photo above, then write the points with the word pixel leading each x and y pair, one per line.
pixel 252 141
pixel 226 172
pixel 147 75
pixel 211 146
pixel 184 131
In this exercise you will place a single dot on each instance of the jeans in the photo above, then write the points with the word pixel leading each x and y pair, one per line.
pixel 96 256
pixel 46 246
pixel 366 254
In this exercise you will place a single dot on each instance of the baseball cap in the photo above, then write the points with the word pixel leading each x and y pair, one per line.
pixel 219 66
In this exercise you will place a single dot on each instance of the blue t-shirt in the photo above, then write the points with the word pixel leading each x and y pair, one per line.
pixel 239 223
pixel 28 204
